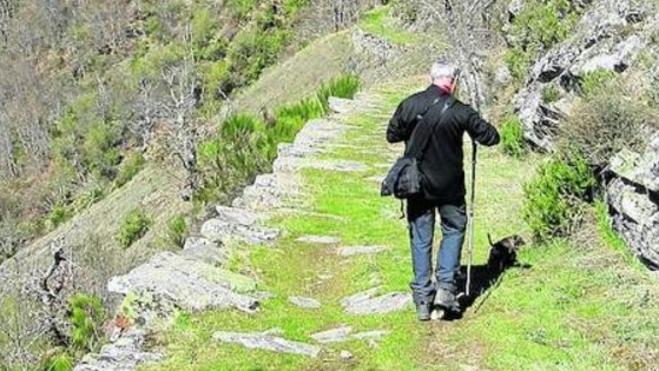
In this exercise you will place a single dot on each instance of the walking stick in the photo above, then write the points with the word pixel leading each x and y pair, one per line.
pixel 470 221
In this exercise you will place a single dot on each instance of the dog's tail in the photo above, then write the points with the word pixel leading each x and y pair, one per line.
pixel 489 239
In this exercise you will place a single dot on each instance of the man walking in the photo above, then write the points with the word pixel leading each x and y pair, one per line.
pixel 443 183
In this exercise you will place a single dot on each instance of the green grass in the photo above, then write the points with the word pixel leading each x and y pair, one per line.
pixel 379 22
pixel 576 307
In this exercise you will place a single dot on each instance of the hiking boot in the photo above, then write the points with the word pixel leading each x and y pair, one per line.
pixel 423 311
pixel 447 300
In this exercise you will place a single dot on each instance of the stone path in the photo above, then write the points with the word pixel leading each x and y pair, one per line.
pixel 194 280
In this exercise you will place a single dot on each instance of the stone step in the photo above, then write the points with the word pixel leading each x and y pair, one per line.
pixel 369 302
pixel 360 250
pixel 306 303
pixel 344 333
pixel 174 281
pixel 267 341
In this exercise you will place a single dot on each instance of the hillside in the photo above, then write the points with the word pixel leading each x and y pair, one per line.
pixel 242 227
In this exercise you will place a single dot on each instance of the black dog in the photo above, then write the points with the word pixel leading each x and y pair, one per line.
pixel 503 254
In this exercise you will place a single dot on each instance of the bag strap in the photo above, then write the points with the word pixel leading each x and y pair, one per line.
pixel 417 146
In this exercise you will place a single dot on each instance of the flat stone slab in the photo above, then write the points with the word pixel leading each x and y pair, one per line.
pixel 335 335
pixel 344 333
pixel 267 341
pixel 187 283
pixel 295 163
pixel 360 250
pixel 367 302
pixel 321 240
pixel 302 302
pixel 228 229
pixel 204 250
pixel 123 354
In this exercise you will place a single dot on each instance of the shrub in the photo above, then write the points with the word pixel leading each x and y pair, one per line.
pixel 344 86
pixel 552 205
pixel 86 317
pixel 59 214
pixel 543 23
pixel 592 82
pixel 518 63
pixel 550 94
pixel 177 230
pixel 512 138
pixel 129 168
pixel 134 225
pixel 59 361
pixel 606 123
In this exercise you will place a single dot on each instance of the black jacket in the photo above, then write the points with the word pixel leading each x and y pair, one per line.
pixel 442 161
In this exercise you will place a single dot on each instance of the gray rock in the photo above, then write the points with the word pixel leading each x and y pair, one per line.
pixel 360 250
pixel 204 250
pixel 321 240
pixel 335 335
pixel 225 230
pixel 502 76
pixel 267 341
pixel 341 105
pixel 186 283
pixel 633 196
pixel 307 303
pixel 126 353
pixel 345 355
pixel 370 335
pixel 294 164
pixel 367 302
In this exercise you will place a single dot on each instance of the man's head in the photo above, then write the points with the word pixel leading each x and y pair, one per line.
pixel 444 75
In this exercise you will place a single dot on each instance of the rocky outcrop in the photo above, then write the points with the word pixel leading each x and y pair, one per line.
pixel 609 36
pixel 633 195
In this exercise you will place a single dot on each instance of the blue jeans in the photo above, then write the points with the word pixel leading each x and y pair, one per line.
pixel 421 218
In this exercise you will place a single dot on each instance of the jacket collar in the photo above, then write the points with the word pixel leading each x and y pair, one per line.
pixel 437 90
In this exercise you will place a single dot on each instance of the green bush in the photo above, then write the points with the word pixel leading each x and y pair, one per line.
pixel 512 138
pixel 543 23
pixel 59 361
pixel 592 82
pixel 132 165
pixel 344 86
pixel 58 215
pixel 177 230
pixel 553 198
pixel 134 225
pixel 86 317
pixel 518 63
pixel 550 94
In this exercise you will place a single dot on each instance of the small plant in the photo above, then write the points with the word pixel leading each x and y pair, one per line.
pixel 131 166
pixel 177 230
pixel 59 214
pixel 342 87
pixel 134 226
pixel 512 138
pixel 592 82
pixel 86 317
pixel 518 63
pixel 58 361
pixel 552 205
pixel 550 94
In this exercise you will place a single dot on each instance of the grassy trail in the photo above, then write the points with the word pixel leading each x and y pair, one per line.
pixel 571 309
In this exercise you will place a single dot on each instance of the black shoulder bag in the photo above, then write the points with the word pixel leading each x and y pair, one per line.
pixel 404 179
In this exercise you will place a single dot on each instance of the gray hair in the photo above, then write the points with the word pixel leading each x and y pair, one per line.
pixel 442 69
